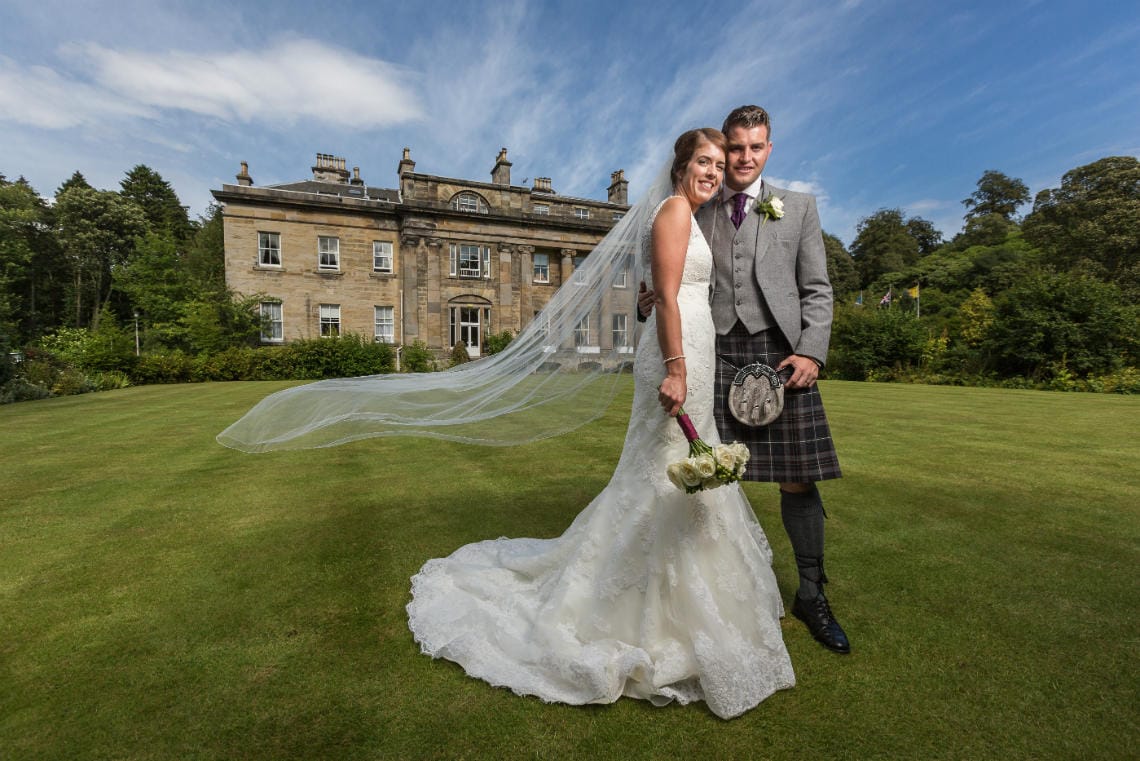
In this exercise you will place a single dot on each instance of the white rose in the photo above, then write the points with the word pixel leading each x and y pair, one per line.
pixel 741 452
pixel 725 456
pixel 706 465
pixel 674 473
pixel 777 207
pixel 689 474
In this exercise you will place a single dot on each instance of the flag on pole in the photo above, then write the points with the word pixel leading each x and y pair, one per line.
pixel 886 300
pixel 913 292
pixel 859 299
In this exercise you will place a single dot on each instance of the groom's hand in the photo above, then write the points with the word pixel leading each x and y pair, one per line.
pixel 806 371
pixel 644 302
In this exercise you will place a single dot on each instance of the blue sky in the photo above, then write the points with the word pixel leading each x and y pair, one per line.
pixel 875 103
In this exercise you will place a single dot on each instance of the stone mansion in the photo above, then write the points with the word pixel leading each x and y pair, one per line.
pixel 438 259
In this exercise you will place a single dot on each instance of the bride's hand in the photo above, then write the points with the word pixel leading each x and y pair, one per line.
pixel 672 393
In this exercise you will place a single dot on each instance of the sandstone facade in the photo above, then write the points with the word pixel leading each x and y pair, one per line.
pixel 438 259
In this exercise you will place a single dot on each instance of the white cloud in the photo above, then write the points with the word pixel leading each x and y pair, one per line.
pixel 292 80
pixel 40 97
pixel 299 79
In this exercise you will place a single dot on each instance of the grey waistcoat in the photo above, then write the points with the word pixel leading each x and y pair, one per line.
pixel 735 293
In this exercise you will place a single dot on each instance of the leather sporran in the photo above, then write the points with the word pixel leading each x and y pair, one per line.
pixel 756 395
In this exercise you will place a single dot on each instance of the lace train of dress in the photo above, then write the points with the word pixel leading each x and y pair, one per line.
pixel 650 593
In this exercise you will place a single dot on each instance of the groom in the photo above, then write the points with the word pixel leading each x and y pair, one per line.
pixel 772 303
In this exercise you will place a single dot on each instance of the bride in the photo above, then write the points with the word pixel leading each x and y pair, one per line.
pixel 650 593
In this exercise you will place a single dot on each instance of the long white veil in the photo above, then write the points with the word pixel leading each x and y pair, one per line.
pixel 559 373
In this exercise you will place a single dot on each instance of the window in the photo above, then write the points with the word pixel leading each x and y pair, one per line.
pixel 620 278
pixel 620 332
pixel 272 326
pixel 469 261
pixel 381 256
pixel 618 215
pixel 581 213
pixel 542 268
pixel 542 208
pixel 269 249
pixel 582 332
pixel 385 331
pixel 466 326
pixel 330 320
pixel 328 252
pixel 579 275
pixel 472 203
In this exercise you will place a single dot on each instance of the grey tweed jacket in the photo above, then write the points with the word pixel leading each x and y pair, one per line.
pixel 783 267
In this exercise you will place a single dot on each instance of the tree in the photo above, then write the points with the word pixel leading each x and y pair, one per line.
pixel 20 211
pixel 976 315
pixel 205 255
pixel 1051 320
pixel 155 282
pixel 984 230
pixel 996 194
pixel 76 180
pixel 97 229
pixel 1092 222
pixel 158 201
pixel 869 342
pixel 841 270
pixel 883 244
pixel 922 230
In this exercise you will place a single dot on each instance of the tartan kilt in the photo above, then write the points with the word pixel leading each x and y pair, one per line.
pixel 794 448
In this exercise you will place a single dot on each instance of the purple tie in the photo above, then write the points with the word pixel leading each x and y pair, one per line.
pixel 739 201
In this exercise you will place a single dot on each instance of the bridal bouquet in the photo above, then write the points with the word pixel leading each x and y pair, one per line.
pixel 706 467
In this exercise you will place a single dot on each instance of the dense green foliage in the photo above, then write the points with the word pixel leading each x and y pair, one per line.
pixel 1051 301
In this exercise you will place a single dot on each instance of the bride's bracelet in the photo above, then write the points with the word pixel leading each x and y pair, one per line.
pixel 670 359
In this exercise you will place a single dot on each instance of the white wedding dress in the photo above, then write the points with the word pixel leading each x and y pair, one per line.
pixel 650 593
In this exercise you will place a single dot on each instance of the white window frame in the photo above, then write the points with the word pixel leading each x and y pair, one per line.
pixel 328 252
pixel 581 212
pixel 268 247
pixel 579 275
pixel 273 313
pixel 542 271
pixel 621 278
pixel 470 259
pixel 619 332
pixel 469 323
pixel 384 324
pixel 329 320
pixel 381 256
pixel 542 209
pixel 582 333
pixel 469 203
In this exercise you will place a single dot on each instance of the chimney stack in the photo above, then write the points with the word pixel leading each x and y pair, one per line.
pixel 356 176
pixel 243 177
pixel 330 168
pixel 501 174
pixel 542 185
pixel 619 188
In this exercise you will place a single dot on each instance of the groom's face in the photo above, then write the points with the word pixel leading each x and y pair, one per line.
pixel 748 149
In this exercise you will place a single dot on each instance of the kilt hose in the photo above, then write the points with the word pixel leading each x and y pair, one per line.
pixel 794 448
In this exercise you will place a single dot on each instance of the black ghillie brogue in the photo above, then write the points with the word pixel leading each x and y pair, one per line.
pixel 821 623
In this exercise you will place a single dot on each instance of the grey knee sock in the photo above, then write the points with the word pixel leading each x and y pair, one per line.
pixel 803 520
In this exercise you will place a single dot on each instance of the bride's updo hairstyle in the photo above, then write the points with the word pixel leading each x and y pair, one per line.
pixel 686 146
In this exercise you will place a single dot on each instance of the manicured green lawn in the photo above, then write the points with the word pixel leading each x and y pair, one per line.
pixel 162 597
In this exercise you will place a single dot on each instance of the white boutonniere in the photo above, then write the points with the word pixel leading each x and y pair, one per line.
pixel 772 208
